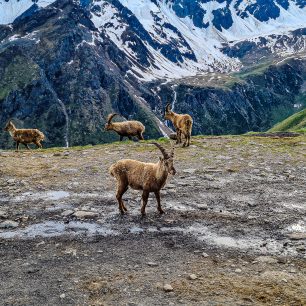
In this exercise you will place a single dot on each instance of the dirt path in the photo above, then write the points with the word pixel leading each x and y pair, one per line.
pixel 234 231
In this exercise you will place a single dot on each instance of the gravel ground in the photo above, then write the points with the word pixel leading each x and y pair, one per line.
pixel 234 232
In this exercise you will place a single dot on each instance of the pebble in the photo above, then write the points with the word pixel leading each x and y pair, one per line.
pixel 297 236
pixel 152 264
pixel 63 295
pixel 192 276
pixel 266 259
pixel 190 171
pixel 81 214
pixel 205 254
pixel 238 270
pixel 3 214
pixel 168 288
pixel 67 213
pixel 11 181
pixel 9 224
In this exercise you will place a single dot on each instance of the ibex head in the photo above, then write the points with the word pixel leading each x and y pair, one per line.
pixel 9 126
pixel 167 158
pixel 109 125
pixel 168 112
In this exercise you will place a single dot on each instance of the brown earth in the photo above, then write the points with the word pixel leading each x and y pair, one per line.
pixel 235 217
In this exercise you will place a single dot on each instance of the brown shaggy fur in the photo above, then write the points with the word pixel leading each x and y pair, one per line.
pixel 148 177
pixel 182 124
pixel 25 136
pixel 126 128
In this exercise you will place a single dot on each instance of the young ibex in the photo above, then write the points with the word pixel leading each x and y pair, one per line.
pixel 147 177
pixel 182 124
pixel 24 136
pixel 126 128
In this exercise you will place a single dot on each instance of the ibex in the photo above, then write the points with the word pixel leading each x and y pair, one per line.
pixel 126 128
pixel 182 125
pixel 24 136
pixel 148 177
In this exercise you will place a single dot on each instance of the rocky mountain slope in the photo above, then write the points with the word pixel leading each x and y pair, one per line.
pixel 65 64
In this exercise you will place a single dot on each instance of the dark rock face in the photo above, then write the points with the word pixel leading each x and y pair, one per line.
pixel 59 74
pixel 54 79
pixel 254 104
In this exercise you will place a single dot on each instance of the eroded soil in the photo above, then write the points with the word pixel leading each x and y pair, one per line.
pixel 235 217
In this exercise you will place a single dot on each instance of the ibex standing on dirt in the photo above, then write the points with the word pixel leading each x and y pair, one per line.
pixel 148 177
pixel 24 136
pixel 182 124
pixel 126 128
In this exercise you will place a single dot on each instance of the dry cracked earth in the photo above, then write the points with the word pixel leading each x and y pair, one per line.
pixel 234 232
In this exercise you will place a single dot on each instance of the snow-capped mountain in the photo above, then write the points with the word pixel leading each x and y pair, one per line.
pixel 66 65
pixel 177 38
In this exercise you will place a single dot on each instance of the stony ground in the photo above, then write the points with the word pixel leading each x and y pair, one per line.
pixel 234 231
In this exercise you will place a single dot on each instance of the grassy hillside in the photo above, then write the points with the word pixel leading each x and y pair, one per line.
pixel 296 123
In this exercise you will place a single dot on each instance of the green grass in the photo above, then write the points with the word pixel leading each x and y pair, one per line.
pixel 294 123
pixel 253 70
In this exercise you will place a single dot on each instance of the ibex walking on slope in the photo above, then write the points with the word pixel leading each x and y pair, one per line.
pixel 148 177
pixel 24 136
pixel 125 128
pixel 182 124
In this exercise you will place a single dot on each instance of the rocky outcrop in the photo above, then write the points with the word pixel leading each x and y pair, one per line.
pixel 59 75
pixel 255 101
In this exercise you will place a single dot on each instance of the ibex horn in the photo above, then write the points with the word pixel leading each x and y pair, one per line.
pixel 110 117
pixel 168 107
pixel 164 152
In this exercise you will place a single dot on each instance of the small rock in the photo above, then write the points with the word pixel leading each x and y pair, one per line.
pixel 67 213
pixel 292 271
pixel 152 264
pixel 168 288
pixel 297 236
pixel 66 154
pixel 284 280
pixel 63 295
pixel 266 259
pixel 173 136
pixel 190 171
pixel 9 224
pixel 3 214
pixel 238 270
pixel 205 254
pixel 11 181
pixel 192 276
pixel 203 207
pixel 81 214
pixel 57 154
pixel 301 248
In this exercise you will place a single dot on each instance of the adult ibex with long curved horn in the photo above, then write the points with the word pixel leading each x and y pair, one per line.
pixel 148 177
pixel 182 124
pixel 125 128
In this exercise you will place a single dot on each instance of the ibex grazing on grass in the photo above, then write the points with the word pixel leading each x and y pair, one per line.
pixel 147 177
pixel 126 128
pixel 24 136
pixel 182 124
